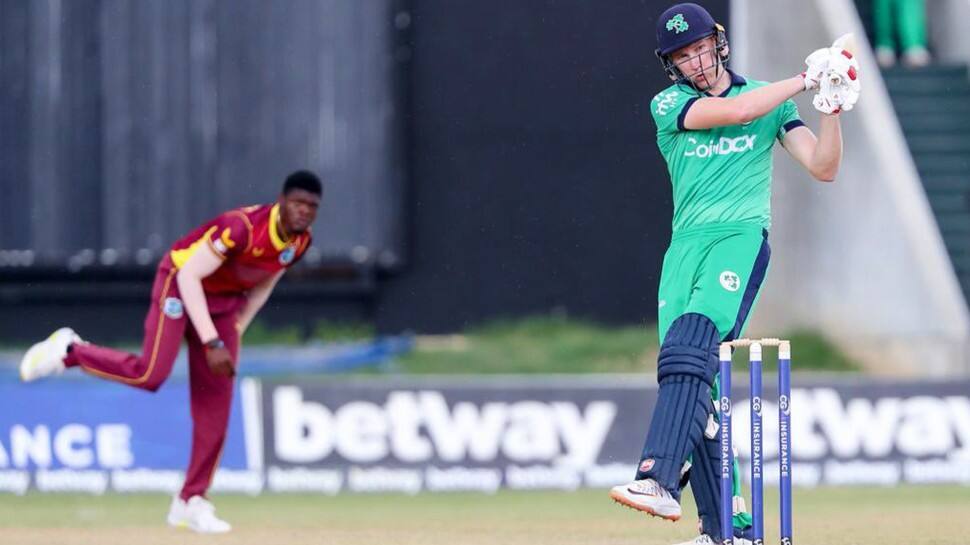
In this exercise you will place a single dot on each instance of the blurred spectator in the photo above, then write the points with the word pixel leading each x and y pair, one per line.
pixel 907 20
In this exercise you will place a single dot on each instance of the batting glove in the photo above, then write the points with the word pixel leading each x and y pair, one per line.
pixel 834 73
pixel 843 73
pixel 839 89
pixel 816 64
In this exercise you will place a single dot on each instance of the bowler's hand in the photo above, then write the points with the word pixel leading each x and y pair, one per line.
pixel 220 361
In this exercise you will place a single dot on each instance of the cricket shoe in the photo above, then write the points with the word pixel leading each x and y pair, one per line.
pixel 705 539
pixel 702 539
pixel 742 536
pixel 196 514
pixel 647 496
pixel 47 357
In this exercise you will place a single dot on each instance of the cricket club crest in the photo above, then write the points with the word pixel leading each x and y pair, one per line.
pixel 730 280
pixel 172 307
pixel 666 102
pixel 646 465
pixel 678 24
pixel 287 255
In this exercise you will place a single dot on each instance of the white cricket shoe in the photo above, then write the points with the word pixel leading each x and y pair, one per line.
pixel 705 539
pixel 47 357
pixel 196 514
pixel 702 539
pixel 647 496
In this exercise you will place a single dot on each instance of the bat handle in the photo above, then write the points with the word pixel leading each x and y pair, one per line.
pixel 842 40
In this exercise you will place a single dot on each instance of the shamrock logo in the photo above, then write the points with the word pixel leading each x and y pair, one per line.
pixel 678 24
pixel 730 281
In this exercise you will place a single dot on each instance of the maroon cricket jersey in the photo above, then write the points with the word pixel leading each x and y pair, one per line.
pixel 250 244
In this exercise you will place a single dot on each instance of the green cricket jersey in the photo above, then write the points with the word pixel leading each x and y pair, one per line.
pixel 719 175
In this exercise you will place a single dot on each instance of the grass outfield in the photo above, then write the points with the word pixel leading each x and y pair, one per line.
pixel 555 344
pixel 880 516
pixel 532 345
pixel 548 343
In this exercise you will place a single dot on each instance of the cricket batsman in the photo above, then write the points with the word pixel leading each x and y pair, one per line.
pixel 207 290
pixel 716 130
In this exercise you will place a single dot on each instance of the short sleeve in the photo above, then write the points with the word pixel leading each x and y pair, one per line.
pixel 669 109
pixel 788 118
pixel 230 236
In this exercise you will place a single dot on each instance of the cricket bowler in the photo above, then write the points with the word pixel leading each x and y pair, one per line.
pixel 716 130
pixel 207 290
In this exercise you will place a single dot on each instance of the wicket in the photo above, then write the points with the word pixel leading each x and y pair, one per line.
pixel 784 440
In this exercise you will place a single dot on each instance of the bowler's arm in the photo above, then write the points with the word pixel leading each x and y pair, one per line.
pixel 255 300
pixel 709 112
pixel 820 157
pixel 202 263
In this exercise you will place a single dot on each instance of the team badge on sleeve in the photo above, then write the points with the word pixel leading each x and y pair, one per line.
pixel 665 102
pixel 287 255
pixel 224 243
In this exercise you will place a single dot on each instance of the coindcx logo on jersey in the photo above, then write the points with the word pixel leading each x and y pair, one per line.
pixel 721 146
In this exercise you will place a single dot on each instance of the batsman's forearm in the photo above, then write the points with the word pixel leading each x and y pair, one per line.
pixel 193 297
pixel 762 100
pixel 828 151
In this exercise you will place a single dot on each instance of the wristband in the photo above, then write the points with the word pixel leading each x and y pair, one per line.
pixel 805 81
pixel 215 343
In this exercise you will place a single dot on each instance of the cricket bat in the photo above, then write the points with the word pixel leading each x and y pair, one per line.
pixel 846 42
